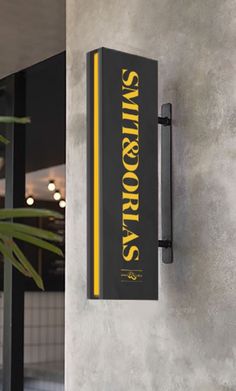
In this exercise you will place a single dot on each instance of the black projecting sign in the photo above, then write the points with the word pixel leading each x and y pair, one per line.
pixel 122 176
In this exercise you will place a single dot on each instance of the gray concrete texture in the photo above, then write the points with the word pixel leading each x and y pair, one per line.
pixel 30 31
pixel 187 340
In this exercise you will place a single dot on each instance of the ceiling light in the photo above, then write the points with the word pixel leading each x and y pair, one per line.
pixel 62 203
pixel 51 186
pixel 57 195
pixel 30 200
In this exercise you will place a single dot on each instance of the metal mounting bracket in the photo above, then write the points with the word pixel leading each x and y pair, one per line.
pixel 165 197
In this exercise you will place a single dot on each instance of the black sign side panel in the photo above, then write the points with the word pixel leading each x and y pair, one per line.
pixel 135 278
pixel 90 175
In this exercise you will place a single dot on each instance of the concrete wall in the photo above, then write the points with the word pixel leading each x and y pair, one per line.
pixel 30 31
pixel 187 340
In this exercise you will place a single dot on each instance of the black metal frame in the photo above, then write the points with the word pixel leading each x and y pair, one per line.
pixel 166 205
pixel 13 348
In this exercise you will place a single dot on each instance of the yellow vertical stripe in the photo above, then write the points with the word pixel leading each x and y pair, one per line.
pixel 96 257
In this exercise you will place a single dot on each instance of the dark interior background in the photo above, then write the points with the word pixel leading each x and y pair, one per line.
pixel 45 147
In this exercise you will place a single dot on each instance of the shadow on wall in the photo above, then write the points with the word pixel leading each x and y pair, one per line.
pixel 198 288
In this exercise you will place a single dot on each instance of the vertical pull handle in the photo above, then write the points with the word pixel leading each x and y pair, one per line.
pixel 165 195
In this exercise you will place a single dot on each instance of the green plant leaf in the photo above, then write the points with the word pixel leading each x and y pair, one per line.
pixel 36 277
pixel 10 228
pixel 32 235
pixel 16 120
pixel 4 140
pixel 35 241
pixel 28 212
pixel 4 249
